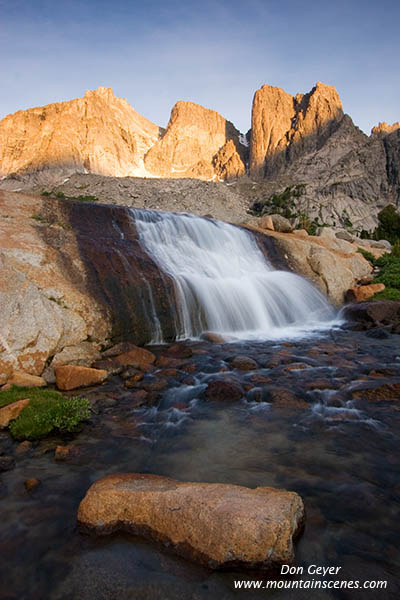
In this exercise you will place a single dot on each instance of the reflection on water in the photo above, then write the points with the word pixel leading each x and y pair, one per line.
pixel 339 454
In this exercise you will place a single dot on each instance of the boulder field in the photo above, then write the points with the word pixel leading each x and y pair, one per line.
pixel 219 525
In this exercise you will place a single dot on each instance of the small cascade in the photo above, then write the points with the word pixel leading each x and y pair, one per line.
pixel 224 283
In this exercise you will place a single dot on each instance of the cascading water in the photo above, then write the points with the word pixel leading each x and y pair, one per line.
pixel 224 283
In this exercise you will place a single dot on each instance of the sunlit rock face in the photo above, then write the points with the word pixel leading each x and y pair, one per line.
pixel 98 133
pixel 284 127
pixel 198 142
pixel 103 134
pixel 384 128
pixel 345 177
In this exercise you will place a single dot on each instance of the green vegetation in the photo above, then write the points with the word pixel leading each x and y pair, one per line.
pixel 389 225
pixel 62 196
pixel 367 255
pixel 40 219
pixel 280 203
pixel 389 274
pixel 47 411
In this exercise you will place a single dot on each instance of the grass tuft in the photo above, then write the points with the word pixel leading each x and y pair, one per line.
pixel 47 411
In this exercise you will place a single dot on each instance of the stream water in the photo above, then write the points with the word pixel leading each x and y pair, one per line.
pixel 322 436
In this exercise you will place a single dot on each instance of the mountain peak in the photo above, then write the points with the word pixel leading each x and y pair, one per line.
pixel 384 128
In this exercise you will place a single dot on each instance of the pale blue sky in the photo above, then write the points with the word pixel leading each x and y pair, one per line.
pixel 213 53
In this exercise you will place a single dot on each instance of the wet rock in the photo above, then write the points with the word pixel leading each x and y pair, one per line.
pixel 6 463
pixel 218 525
pixel 155 386
pixel 118 349
pixel 180 351
pixel 256 394
pixel 189 380
pixel 259 379
pixel 139 398
pixel 191 368
pixel 168 373
pixel 363 292
pixel 320 384
pixel 11 411
pixel 214 338
pixel 132 382
pixel 65 452
pixel 109 365
pixel 31 484
pixel 166 362
pixel 378 393
pixel 296 367
pixel 108 402
pixel 130 372
pixel 23 448
pixel 147 368
pixel 136 356
pixel 379 333
pixel 25 380
pixel 225 390
pixel 243 363
pixel 368 315
pixel 134 377
pixel 284 398
pixel 71 377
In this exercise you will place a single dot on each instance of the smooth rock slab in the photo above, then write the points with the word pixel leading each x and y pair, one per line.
pixel 219 525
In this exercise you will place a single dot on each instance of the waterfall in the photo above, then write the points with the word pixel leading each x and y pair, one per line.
pixel 224 283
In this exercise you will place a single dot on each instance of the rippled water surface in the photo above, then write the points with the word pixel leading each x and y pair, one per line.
pixel 326 439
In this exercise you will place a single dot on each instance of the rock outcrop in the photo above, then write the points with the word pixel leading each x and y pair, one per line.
pixel 72 277
pixel 219 525
pixel 330 170
pixel 285 127
pixel 98 133
pixel 384 128
pixel 197 143
pixel 103 134
pixel 332 264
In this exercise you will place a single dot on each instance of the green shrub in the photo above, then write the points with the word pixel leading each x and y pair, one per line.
pixel 387 294
pixel 40 219
pixel 367 255
pixel 47 411
pixel 390 274
pixel 84 198
pixel 389 225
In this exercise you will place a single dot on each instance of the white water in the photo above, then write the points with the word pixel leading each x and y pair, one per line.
pixel 224 283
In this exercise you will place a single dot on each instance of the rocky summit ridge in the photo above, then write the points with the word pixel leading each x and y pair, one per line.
pixel 302 152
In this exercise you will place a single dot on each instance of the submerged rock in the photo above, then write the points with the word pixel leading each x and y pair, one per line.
pixel 219 525
pixel 243 363
pixel 31 484
pixel 227 390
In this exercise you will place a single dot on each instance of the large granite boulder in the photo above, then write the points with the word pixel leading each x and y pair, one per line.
pixel 219 525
